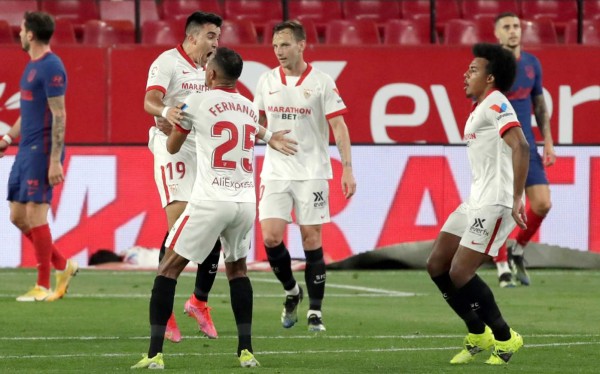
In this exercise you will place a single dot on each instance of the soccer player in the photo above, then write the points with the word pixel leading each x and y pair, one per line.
pixel 526 92
pixel 38 164
pixel 173 75
pixel 499 157
pixel 222 203
pixel 295 96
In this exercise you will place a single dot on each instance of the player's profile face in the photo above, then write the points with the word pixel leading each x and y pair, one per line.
pixel 287 50
pixel 508 31
pixel 23 36
pixel 476 78
pixel 204 42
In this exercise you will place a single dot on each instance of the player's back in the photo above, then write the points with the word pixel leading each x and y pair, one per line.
pixel 226 124
pixel 43 78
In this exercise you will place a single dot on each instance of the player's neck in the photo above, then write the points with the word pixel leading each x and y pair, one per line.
pixel 38 50
pixel 297 69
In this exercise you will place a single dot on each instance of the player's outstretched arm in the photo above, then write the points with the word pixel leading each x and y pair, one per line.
pixel 153 105
pixel 520 160
pixel 10 136
pixel 276 140
pixel 59 119
pixel 342 140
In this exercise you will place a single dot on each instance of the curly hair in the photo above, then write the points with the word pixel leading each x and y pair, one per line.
pixel 501 64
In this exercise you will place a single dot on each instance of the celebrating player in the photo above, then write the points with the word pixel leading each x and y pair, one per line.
pixel 38 164
pixel 173 75
pixel 525 92
pixel 499 157
pixel 222 203
pixel 311 103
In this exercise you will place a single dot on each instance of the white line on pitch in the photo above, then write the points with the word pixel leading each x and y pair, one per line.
pixel 361 350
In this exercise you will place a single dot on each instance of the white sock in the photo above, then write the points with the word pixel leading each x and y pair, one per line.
pixel 317 312
pixel 294 291
pixel 502 267
pixel 518 250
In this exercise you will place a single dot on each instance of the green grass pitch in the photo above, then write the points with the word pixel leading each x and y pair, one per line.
pixel 377 322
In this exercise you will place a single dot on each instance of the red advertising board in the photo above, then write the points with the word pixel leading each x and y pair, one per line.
pixel 395 94
pixel 109 201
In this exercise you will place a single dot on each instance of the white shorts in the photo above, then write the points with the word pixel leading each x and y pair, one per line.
pixel 309 198
pixel 483 229
pixel 174 175
pixel 194 234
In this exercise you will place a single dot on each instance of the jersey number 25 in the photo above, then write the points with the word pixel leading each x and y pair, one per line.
pixel 218 158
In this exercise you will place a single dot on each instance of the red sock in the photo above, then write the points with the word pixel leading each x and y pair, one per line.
pixel 502 255
pixel 57 260
pixel 533 224
pixel 42 242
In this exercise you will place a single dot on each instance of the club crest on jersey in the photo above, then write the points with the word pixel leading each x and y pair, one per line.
pixel 307 92
pixel 529 72
pixel 31 75
pixel 499 109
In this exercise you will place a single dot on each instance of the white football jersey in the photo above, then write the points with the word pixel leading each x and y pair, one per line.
pixel 489 155
pixel 176 75
pixel 225 124
pixel 304 108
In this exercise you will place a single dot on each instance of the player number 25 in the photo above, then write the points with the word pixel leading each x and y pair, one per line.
pixel 218 159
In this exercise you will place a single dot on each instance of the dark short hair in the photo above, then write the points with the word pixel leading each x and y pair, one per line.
pixel 41 25
pixel 295 27
pixel 504 15
pixel 202 18
pixel 229 62
pixel 501 64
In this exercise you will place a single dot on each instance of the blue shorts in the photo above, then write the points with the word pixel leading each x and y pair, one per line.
pixel 28 180
pixel 536 174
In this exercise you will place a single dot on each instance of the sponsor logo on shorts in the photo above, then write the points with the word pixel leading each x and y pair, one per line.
pixel 319 201
pixel 477 227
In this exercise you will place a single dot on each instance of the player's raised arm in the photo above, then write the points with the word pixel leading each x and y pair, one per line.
pixel 342 140
pixel 59 121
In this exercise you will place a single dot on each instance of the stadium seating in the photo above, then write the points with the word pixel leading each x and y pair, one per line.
pixel 559 11
pixel 161 32
pixel 125 10
pixel 258 11
pixel 238 32
pixel 6 34
pixel 78 12
pixel 12 12
pixel 473 8
pixel 64 32
pixel 590 34
pixel 591 9
pixel 309 27
pixel 538 31
pixel 352 32
pixel 318 11
pixel 445 10
pixel 485 27
pixel 107 33
pixel 173 8
pixel 460 32
pixel 377 10
pixel 406 32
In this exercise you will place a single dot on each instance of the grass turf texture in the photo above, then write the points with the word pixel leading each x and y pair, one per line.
pixel 384 322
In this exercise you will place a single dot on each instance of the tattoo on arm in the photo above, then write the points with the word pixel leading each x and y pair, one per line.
pixel 59 116
pixel 541 113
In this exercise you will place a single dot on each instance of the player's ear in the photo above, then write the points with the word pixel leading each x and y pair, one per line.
pixel 490 79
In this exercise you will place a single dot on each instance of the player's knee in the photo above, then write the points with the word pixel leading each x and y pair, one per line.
pixel 541 208
pixel 19 221
pixel 272 240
